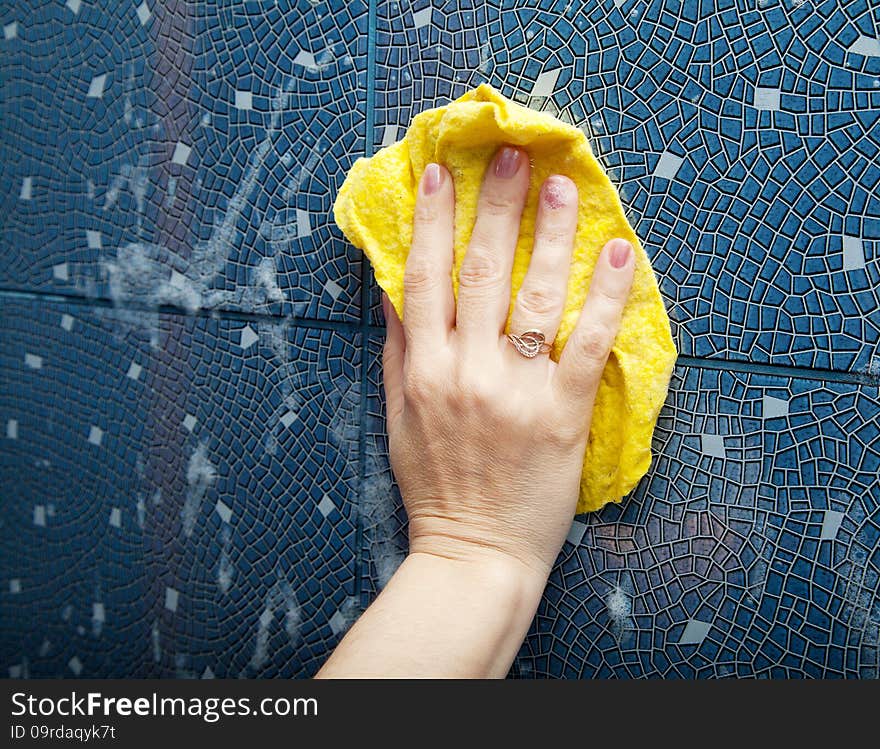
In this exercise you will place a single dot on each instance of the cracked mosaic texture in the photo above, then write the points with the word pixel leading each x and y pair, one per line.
pixel 743 138
pixel 182 153
pixel 194 468
pixel 751 548
pixel 178 493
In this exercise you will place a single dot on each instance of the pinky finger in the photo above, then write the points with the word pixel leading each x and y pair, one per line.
pixel 392 361
pixel 586 351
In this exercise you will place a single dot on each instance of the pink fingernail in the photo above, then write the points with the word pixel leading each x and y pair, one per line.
pixel 619 252
pixel 507 162
pixel 556 191
pixel 385 303
pixel 432 179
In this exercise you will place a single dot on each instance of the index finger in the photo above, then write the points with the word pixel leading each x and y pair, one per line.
pixel 428 303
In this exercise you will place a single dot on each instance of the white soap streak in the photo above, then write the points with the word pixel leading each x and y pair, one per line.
pixel 619 605
pixel 201 475
pixel 157 646
pixel 225 568
pixel 280 600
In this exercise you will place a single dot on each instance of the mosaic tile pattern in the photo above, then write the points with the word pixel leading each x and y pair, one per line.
pixel 178 492
pixel 743 138
pixel 752 548
pixel 182 153
pixel 194 465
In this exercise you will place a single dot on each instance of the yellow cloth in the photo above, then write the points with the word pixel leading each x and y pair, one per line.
pixel 375 206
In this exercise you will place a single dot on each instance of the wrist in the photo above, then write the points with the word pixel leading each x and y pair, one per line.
pixel 516 587
pixel 489 600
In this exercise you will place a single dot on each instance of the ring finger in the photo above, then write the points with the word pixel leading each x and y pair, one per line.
pixel 541 298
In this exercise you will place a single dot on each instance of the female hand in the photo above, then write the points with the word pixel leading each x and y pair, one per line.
pixel 487 445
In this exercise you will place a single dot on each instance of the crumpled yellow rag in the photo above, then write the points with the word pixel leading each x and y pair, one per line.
pixel 375 207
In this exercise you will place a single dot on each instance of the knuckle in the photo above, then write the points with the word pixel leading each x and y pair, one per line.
pixel 554 236
pixel 475 391
pixel 494 204
pixel 480 269
pixel 426 212
pixel 592 344
pixel 539 301
pixel 610 296
pixel 418 275
pixel 418 387
pixel 564 433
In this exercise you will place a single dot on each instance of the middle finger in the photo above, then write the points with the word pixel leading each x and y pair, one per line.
pixel 484 277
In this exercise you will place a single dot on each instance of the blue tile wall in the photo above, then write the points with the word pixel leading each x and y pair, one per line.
pixel 182 153
pixel 179 493
pixel 742 137
pixel 193 462
pixel 752 548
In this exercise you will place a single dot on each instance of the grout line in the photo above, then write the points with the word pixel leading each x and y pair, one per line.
pixel 366 330
pixel 360 558
pixel 780 370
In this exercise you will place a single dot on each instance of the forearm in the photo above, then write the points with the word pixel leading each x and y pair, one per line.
pixel 440 617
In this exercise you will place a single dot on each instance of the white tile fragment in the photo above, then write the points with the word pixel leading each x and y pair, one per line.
pixel 223 510
pixel 773 408
pixel 12 429
pixel 171 598
pixel 546 83
pixel 248 337
pixel 134 371
pixel 74 6
pixel 67 322
pixel 189 422
pixel 288 419
pixel 45 649
pixel 15 672
pixel 96 434
pixel 244 100
pixel 326 505
pixel 767 99
pixel 40 516
pixel 853 253
pixel 423 17
pixel 27 188
pixel 695 632
pixel 10 30
pixel 115 517
pixel 333 289
pixel 75 665
pixel 98 612
pixel 93 239
pixel 831 524
pixel 15 586
pixel 867 46
pixel 208 673
pixel 144 13
pixel 668 165
pixel 389 135
pixel 713 445
pixel 306 59
pixel 303 223
pixel 60 272
pixel 576 533
pixel 181 153
pixel 96 87
pixel 32 361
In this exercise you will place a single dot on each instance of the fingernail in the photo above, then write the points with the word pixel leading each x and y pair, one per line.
pixel 507 162
pixel 385 303
pixel 432 179
pixel 556 191
pixel 619 252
